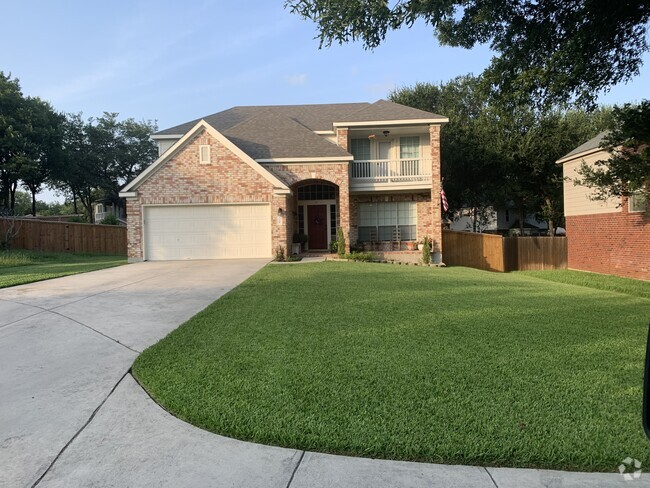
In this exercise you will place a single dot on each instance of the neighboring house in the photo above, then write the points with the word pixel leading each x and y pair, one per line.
pixel 106 208
pixel 240 183
pixel 502 221
pixel 610 237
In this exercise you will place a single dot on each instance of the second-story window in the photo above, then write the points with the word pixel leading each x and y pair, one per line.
pixel 409 154
pixel 360 149
pixel 409 147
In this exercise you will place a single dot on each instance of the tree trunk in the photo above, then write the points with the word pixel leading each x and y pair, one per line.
pixel 474 219
pixel 522 217
pixel 74 202
pixel 13 185
pixel 33 202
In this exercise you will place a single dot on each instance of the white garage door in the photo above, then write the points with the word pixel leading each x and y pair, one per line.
pixel 207 232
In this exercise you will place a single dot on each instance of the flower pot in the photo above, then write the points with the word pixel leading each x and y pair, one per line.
pixel 295 248
pixel 410 246
pixel 420 247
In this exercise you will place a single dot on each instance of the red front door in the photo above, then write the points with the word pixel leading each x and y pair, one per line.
pixel 317 226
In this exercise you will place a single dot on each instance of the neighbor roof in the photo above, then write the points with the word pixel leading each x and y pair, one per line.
pixel 288 131
pixel 590 145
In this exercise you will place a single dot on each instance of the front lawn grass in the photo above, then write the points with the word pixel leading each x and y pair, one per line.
pixel 441 365
pixel 18 267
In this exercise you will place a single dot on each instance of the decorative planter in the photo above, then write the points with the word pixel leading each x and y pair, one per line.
pixel 295 248
pixel 420 246
pixel 410 245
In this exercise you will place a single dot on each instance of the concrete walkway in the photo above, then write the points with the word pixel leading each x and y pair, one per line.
pixel 72 416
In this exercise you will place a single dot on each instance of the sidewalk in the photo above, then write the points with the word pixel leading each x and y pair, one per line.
pixel 133 442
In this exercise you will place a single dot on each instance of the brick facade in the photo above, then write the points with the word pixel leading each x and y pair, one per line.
pixel 336 173
pixel 436 216
pixel 612 243
pixel 183 180
pixel 423 199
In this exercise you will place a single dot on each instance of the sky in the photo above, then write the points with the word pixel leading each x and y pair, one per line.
pixel 177 61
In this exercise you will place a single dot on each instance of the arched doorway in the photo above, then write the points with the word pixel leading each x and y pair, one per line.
pixel 317 213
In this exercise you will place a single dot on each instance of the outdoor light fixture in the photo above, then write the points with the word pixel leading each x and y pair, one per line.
pixel 280 212
pixel 386 132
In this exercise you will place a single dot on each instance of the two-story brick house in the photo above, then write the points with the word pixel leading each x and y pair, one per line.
pixel 241 182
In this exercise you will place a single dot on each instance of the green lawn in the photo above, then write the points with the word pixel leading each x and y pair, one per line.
pixel 18 267
pixel 441 365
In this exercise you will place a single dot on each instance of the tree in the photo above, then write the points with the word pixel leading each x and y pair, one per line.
pixel 627 171
pixel 30 139
pixel 493 154
pixel 551 50
pixel 11 125
pixel 100 156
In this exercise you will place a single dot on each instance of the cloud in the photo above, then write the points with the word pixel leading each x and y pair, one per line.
pixel 296 80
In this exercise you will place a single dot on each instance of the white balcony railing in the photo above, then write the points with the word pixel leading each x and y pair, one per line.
pixel 391 171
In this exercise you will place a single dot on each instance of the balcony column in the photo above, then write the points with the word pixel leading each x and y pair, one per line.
pixel 436 216
pixel 344 193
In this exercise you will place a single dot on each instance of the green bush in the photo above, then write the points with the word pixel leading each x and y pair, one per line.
pixel 78 219
pixel 426 250
pixel 110 219
pixel 340 242
pixel 361 256
pixel 279 253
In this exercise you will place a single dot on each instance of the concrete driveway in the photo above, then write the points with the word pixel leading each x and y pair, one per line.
pixel 66 343
pixel 72 416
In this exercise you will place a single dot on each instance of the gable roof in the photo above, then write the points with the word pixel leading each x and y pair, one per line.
pixel 281 132
pixel 172 151
pixel 591 145
pixel 316 117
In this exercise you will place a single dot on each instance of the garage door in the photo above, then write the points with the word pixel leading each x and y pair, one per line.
pixel 207 232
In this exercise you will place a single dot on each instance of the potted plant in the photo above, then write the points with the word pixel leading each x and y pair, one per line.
pixel 299 241
pixel 421 243
pixel 410 245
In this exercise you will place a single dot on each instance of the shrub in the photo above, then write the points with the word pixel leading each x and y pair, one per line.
pixel 110 219
pixel 426 250
pixel 333 246
pixel 340 242
pixel 279 253
pixel 361 256
pixel 77 219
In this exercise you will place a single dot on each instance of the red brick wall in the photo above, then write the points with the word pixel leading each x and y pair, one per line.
pixel 611 243
pixel 183 180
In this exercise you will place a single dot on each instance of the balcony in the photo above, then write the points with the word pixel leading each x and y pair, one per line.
pixel 390 174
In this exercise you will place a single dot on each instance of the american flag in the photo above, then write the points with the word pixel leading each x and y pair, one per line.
pixel 443 197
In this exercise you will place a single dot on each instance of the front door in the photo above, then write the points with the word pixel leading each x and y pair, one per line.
pixel 317 226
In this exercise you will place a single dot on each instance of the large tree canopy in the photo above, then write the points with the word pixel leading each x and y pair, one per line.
pixel 554 50
pixel 627 171
pixel 494 155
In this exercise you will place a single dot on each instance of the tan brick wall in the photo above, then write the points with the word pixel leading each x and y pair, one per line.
pixel 183 180
pixel 337 173
pixel 436 219
pixel 342 138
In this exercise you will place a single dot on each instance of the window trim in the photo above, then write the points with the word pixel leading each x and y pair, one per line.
pixel 209 158
pixel 398 224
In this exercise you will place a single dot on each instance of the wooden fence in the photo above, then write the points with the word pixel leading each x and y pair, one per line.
pixel 38 235
pixel 495 253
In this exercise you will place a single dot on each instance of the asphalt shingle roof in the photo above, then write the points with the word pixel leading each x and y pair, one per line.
pixel 271 135
pixel 287 131
pixel 587 146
